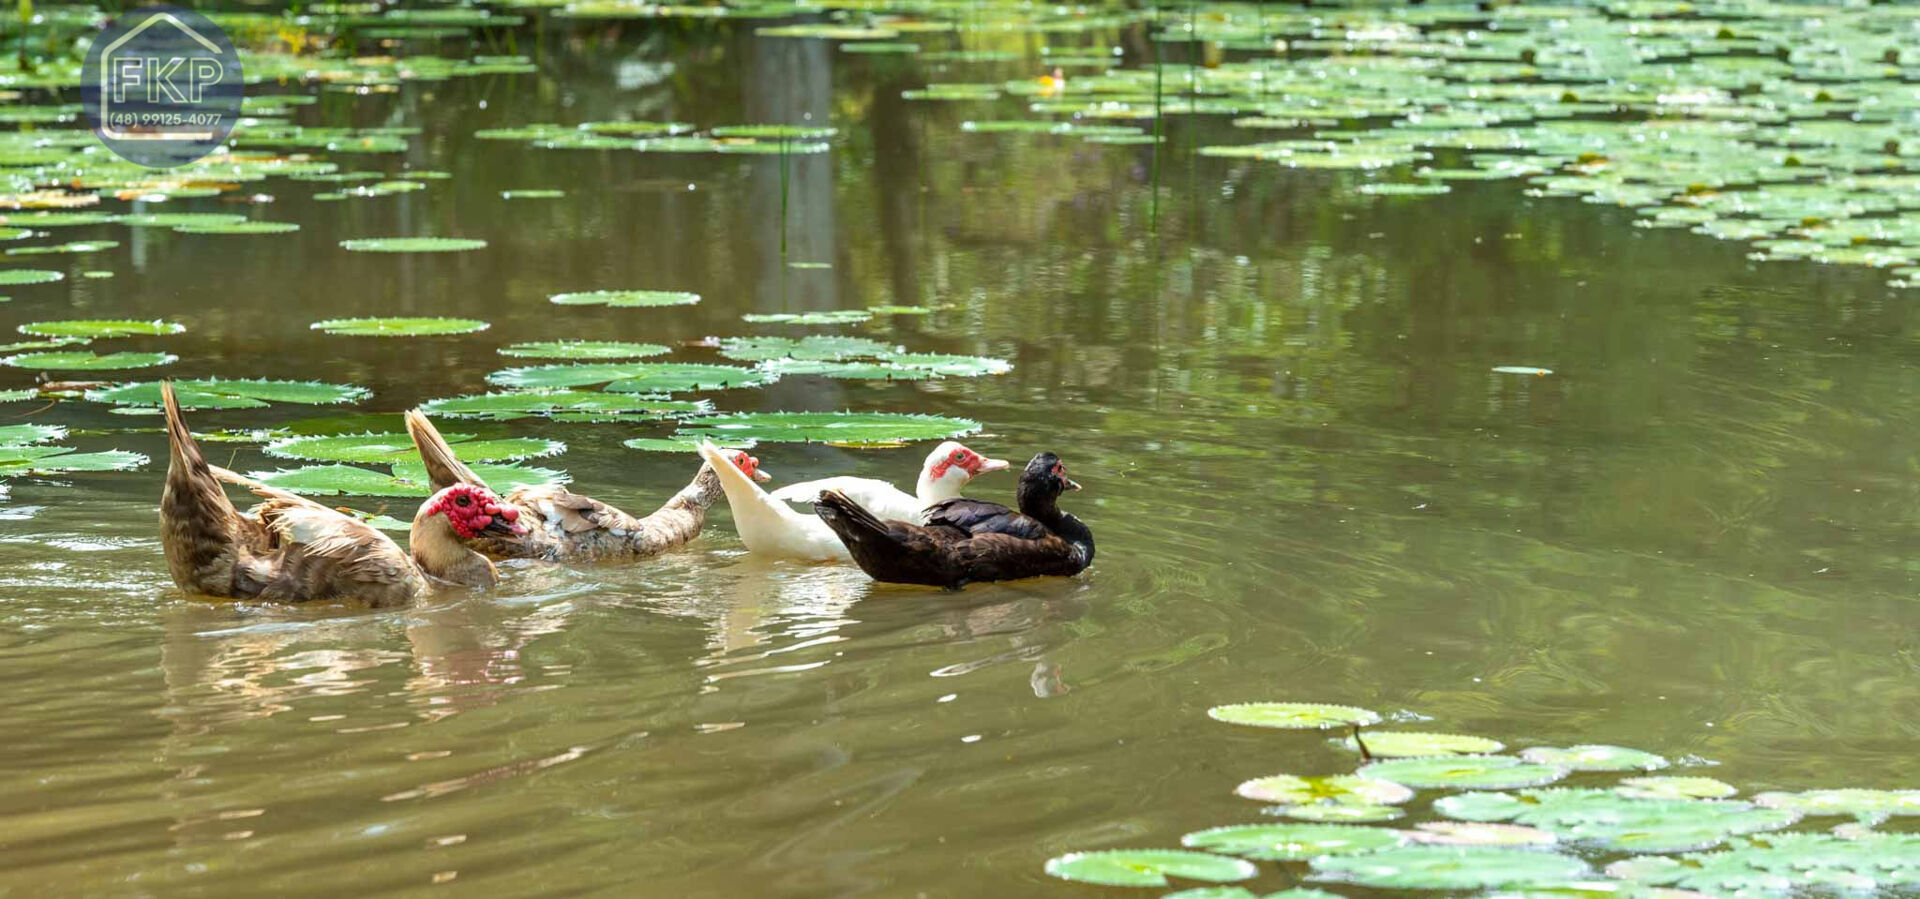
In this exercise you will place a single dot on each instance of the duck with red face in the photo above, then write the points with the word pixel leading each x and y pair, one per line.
pixel 556 524
pixel 943 475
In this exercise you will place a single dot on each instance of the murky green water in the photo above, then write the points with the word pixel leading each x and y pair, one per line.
pixel 1306 482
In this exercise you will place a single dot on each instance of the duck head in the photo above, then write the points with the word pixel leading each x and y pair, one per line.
pixel 473 511
pixel 1044 479
pixel 749 466
pixel 948 469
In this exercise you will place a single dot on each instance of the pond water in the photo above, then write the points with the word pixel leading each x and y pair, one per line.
pixel 1306 480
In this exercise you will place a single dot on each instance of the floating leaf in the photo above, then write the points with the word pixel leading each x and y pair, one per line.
pixel 180 219
pixel 626 299
pixel 1456 833
pixel 503 406
pixel 55 219
pixel 815 348
pixel 775 132
pixel 406 480
pixel 1448 868
pixel 1467 772
pixel 871 428
pixel 16 435
pixel 680 444
pixel 12 276
pixel 1147 867
pixel 951 366
pixel 100 328
pixel 77 246
pixel 532 194
pixel 1854 802
pixel 1293 715
pixel 1413 744
pixel 396 447
pixel 399 327
pixel 1292 842
pixel 1611 821
pixel 1675 788
pixel 1595 758
pixel 85 361
pixel 632 377
pixel 1350 814
pixel 239 228
pixel 216 393
pixel 16 460
pixel 858 371
pixel 1336 789
pixel 1522 370
pixel 412 245
pixel 833 317
pixel 584 349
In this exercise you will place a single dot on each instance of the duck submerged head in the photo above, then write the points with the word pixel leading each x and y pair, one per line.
pixel 473 511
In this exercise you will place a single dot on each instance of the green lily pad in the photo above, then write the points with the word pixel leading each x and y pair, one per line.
pixel 180 219
pixel 399 327
pixel 855 371
pixel 563 403
pixel 1343 814
pixel 76 246
pixel 1594 758
pixel 775 132
pixel 16 460
pixel 532 194
pixel 859 428
pixel 1293 715
pixel 950 366
pixel 56 219
pixel 217 393
pixel 100 328
pixel 680 444
pixel 1854 802
pixel 1292 842
pixel 815 348
pixel 1147 867
pixel 397 447
pixel 239 228
pixel 1610 821
pixel 632 377
pixel 1675 788
pixel 12 276
pixel 1413 744
pixel 16 435
pixel 626 299
pixel 1448 868
pixel 834 317
pixel 1466 772
pixel 406 479
pixel 1475 833
pixel 584 349
pixel 412 245
pixel 1334 789
pixel 85 361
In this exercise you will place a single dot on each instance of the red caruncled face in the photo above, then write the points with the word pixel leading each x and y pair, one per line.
pixel 473 509
pixel 745 463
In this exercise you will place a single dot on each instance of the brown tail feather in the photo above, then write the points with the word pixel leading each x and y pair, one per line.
pixel 180 443
pixel 443 468
pixel 200 529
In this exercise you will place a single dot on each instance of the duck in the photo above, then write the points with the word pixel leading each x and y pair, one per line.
pixel 292 549
pixel 562 526
pixel 766 525
pixel 945 473
pixel 968 541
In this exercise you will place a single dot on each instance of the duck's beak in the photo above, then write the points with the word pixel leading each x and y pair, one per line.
pixel 505 523
pixel 760 474
pixel 987 465
pixel 1071 483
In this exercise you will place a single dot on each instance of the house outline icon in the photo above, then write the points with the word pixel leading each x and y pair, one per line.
pixel 106 68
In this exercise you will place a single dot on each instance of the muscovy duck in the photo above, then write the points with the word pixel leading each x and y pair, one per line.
pixel 944 474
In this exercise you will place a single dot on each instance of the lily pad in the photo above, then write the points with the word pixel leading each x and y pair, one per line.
pixel 1854 802
pixel 1293 715
pixel 626 299
pixel 412 245
pixel 85 361
pixel 397 447
pixel 1292 842
pixel 1448 868
pixel 13 276
pixel 239 228
pixel 532 194
pixel 680 444
pixel 1595 758
pixel 406 480
pixel 16 460
pixel 855 371
pixel 816 348
pixel 180 219
pixel 1473 833
pixel 1466 772
pixel 100 328
pixel 562 403
pixel 1607 820
pixel 1414 744
pixel 76 246
pixel 1335 789
pixel 216 393
pixel 16 435
pixel 584 349
pixel 775 132
pixel 1347 814
pixel 1675 788
pixel 860 428
pixel 950 366
pixel 833 317
pixel 1148 867
pixel 399 327
pixel 632 377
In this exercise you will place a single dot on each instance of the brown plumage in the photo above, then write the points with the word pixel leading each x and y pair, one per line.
pixel 565 526
pixel 292 549
pixel 966 541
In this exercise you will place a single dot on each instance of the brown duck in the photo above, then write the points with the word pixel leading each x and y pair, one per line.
pixel 966 541
pixel 564 526
pixel 292 549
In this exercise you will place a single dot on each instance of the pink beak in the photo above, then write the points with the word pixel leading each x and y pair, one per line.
pixel 987 465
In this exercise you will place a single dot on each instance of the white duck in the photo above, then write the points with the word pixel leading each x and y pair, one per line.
pixel 767 525
pixel 945 473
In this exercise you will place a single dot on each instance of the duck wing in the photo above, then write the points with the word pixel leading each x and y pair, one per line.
pixel 1005 557
pixel 321 553
pixel 878 496
pixel 977 517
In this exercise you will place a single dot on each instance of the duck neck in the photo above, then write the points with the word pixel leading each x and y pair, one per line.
pixel 441 555
pixel 1043 505
pixel 703 491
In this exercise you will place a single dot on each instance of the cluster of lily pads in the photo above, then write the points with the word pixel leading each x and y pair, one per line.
pixel 669 137
pixel 1499 827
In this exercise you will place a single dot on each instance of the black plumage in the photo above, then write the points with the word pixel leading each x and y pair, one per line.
pixel 966 540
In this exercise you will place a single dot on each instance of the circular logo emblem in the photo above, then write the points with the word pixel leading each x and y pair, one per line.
pixel 161 86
